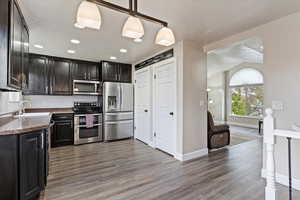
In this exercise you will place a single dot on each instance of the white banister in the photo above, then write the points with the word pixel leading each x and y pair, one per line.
pixel 269 140
pixel 270 134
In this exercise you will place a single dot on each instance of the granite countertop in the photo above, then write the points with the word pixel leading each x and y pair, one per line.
pixel 51 110
pixel 12 126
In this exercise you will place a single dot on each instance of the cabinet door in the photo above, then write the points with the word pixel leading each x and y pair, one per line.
pixel 93 73
pixel 62 133
pixel 80 70
pixel 60 77
pixel 110 71
pixel 15 66
pixel 125 71
pixel 37 75
pixel 31 164
pixel 25 57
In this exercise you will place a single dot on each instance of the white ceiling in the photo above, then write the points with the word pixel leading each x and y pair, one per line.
pixel 248 51
pixel 51 24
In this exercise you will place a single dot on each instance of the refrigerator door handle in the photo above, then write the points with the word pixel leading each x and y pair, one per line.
pixel 121 97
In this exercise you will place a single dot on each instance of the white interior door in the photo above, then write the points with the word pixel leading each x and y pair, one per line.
pixel 165 106
pixel 143 91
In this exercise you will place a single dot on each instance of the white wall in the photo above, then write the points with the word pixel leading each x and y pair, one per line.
pixel 39 101
pixel 281 39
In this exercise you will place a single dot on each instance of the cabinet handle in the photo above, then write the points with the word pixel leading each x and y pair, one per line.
pixel 42 142
pixel 46 89
pixel 84 75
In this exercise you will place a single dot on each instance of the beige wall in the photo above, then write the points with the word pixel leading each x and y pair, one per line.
pixel 194 98
pixel 191 97
pixel 281 39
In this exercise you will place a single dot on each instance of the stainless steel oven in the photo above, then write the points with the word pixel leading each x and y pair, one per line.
pixel 83 133
pixel 81 87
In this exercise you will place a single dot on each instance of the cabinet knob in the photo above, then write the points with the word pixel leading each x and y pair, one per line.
pixel 171 113
pixel 146 110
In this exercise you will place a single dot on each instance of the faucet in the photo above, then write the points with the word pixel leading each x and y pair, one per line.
pixel 22 107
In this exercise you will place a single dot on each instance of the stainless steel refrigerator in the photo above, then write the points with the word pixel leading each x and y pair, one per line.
pixel 118 110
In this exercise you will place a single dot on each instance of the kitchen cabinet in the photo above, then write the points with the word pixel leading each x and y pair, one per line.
pixel 37 75
pixel 23 165
pixel 60 76
pixel 62 132
pixel 125 71
pixel 31 164
pixel 83 70
pixel 15 64
pixel 116 72
pixel 25 56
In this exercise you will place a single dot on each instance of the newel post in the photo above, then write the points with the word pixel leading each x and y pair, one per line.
pixel 269 140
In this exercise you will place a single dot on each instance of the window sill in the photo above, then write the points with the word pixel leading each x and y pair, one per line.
pixel 245 117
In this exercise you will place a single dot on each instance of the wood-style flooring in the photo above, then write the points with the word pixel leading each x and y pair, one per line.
pixel 130 170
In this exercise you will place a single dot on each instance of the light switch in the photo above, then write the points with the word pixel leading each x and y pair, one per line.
pixel 277 105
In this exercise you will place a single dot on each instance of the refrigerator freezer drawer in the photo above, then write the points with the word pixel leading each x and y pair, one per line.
pixel 118 130
pixel 118 116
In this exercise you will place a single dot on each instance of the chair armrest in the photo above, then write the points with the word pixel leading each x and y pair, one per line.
pixel 220 128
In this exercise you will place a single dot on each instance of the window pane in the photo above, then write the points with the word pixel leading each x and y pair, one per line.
pixel 247 101
pixel 246 76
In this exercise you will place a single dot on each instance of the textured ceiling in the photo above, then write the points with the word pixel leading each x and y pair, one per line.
pixel 248 51
pixel 51 24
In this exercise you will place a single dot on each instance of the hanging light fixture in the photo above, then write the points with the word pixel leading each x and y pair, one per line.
pixel 88 15
pixel 165 37
pixel 133 28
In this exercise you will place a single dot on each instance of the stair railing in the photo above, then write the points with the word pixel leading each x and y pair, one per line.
pixel 270 135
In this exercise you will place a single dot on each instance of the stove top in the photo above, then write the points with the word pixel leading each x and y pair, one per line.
pixel 87 108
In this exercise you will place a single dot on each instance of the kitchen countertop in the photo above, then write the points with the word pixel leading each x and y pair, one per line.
pixel 12 126
pixel 51 110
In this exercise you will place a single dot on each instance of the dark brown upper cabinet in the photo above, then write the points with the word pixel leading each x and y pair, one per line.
pixel 116 72
pixel 60 76
pixel 25 56
pixel 37 75
pixel 15 61
pixel 83 70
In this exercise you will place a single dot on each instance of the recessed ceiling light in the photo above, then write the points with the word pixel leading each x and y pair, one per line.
pixel 71 51
pixel 138 40
pixel 38 46
pixel 123 50
pixel 74 41
pixel 113 58
pixel 79 26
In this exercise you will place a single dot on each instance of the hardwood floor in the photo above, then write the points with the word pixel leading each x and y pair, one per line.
pixel 130 170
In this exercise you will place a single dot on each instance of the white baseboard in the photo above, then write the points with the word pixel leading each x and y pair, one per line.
pixel 192 155
pixel 283 179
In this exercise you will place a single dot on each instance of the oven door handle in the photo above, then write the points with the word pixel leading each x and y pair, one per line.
pixel 85 126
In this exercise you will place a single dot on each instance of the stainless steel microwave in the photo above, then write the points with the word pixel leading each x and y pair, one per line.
pixel 82 87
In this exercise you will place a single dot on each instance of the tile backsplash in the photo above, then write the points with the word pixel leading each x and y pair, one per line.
pixel 9 102
pixel 39 101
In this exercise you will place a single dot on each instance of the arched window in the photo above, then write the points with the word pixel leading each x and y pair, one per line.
pixel 246 92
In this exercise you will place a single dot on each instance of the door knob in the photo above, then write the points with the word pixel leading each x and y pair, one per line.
pixel 146 110
pixel 171 113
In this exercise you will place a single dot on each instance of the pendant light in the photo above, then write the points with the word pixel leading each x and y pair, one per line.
pixel 133 28
pixel 165 37
pixel 88 15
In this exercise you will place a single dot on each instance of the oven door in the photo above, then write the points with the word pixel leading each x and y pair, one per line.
pixel 84 134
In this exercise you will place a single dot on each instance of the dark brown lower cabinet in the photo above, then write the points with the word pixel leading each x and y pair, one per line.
pixel 23 165
pixel 32 169
pixel 62 132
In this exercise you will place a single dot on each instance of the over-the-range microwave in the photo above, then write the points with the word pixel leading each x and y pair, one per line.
pixel 83 87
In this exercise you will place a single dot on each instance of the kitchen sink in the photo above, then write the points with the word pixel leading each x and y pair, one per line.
pixel 40 114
